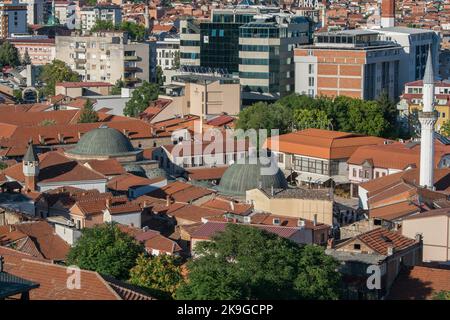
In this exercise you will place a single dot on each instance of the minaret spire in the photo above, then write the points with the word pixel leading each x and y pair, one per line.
pixel 427 120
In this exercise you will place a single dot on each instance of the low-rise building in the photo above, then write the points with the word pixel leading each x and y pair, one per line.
pixel 80 89
pixel 433 226
pixel 40 51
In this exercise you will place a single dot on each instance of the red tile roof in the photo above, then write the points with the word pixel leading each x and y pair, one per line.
pixel 380 239
pixel 83 84
pixel 420 283
pixel 110 167
pixel 181 192
pixel 394 211
pixel 128 180
pixel 206 173
pixel 54 167
pixel 322 144
pixel 52 279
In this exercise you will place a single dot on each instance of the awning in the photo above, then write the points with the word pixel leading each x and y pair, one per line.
pixel 312 177
pixel 340 179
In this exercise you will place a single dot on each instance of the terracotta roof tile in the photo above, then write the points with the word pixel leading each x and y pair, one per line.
pixel 108 167
pixel 380 239
pixel 128 180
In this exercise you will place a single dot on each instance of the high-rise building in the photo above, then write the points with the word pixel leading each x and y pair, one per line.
pixel 167 51
pixel 35 11
pixel 254 43
pixel 352 63
pixel 105 56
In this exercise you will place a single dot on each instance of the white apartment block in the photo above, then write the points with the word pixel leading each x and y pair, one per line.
pixel 166 51
pixel 89 15
pixel 105 56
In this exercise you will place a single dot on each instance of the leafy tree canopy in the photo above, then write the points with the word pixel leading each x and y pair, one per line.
pixel 117 88
pixel 105 249
pixel 9 55
pixel 55 72
pixel 341 113
pixel 249 263
pixel 88 115
pixel 141 98
pixel 445 129
pixel 136 31
pixel 160 275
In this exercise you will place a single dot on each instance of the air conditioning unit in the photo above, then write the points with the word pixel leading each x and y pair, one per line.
pixel 247 219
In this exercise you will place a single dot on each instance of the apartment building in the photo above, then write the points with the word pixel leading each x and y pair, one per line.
pixel 105 56
pixel 35 11
pixel 40 51
pixel 104 12
pixel 352 63
pixel 167 51
pixel 412 100
pixel 13 18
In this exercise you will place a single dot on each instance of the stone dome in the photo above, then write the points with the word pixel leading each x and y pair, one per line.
pixel 103 141
pixel 240 177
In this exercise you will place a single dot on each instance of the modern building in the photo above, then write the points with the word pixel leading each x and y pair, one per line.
pixel 354 63
pixel 103 12
pixel 105 56
pixel 189 42
pixel 415 44
pixel 13 18
pixel 252 42
pixel 168 52
pixel 35 11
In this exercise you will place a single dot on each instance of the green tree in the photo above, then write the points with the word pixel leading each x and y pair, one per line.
pixel 311 118
pixel 26 60
pixel 442 295
pixel 249 263
pixel 161 274
pixel 390 113
pixel 445 128
pixel 105 249
pixel 47 122
pixel 3 166
pixel 9 55
pixel 88 114
pixel 17 94
pixel 103 25
pixel 136 31
pixel 117 88
pixel 159 76
pixel 141 98
pixel 176 60
pixel 55 72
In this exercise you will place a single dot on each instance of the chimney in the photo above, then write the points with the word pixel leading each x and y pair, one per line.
pixel 418 237
pixel 168 201
pixel 301 223
pixel 41 139
pixel 232 205
pixel 271 191
pixel 2 261
pixel 330 243
pixel 315 220
pixel 60 138
pixel 387 13
pixel 108 202
pixel 390 250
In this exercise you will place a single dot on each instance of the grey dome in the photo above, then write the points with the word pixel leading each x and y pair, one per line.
pixel 103 141
pixel 240 177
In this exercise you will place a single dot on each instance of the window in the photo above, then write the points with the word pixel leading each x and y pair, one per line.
pixel 357 246
pixel 360 173
pixel 311 81
pixel 310 68
pixel 366 174
pixel 281 158
pixel 377 222
pixel 354 172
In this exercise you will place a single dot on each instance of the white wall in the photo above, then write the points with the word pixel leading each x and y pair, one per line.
pixel 68 234
pixel 100 185
pixel 128 219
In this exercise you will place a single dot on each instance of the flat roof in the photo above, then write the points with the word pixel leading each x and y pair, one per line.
pixel 405 30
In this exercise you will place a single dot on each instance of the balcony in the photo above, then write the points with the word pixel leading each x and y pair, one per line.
pixel 131 58
pixel 132 79
pixel 132 69
pixel 80 49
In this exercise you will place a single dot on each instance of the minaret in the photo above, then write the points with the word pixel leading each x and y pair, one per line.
pixel 387 13
pixel 427 119
pixel 30 166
